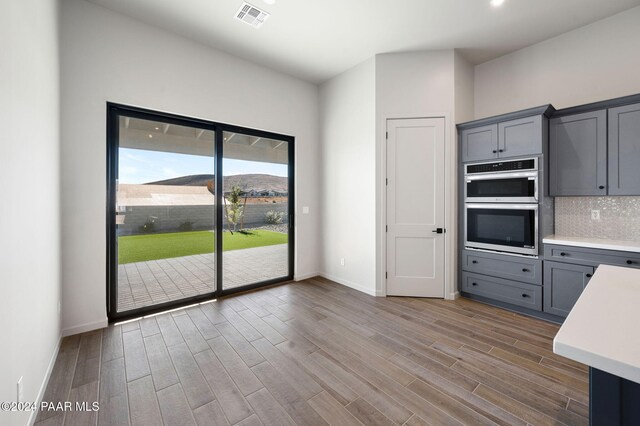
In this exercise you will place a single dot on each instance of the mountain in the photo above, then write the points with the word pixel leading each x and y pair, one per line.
pixel 246 182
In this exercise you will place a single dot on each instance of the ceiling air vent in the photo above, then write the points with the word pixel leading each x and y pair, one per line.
pixel 251 15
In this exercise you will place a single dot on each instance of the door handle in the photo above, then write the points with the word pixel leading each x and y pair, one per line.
pixel 439 231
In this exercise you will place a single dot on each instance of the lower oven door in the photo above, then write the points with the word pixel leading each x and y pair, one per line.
pixel 510 228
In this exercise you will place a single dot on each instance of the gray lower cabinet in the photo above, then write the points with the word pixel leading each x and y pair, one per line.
pixel 508 291
pixel 624 150
pixel 480 143
pixel 590 256
pixel 516 268
pixel 578 154
pixel 563 284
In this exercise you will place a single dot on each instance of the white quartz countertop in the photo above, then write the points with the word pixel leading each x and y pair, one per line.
pixel 599 243
pixel 602 330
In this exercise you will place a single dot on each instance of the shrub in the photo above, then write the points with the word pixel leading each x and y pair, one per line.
pixel 148 227
pixel 186 226
pixel 274 218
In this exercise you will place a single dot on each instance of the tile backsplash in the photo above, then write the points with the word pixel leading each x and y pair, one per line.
pixel 619 217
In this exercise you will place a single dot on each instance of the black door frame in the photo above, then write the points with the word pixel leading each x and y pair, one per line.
pixel 114 111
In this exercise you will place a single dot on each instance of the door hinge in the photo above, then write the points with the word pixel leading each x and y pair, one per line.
pixel 387 181
pixel 386 135
pixel 386 275
pixel 386 228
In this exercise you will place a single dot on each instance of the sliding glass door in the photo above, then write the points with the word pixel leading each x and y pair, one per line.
pixel 178 231
pixel 255 209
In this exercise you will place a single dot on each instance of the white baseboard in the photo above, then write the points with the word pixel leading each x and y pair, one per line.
pixel 85 327
pixel 351 284
pixel 45 381
pixel 453 296
pixel 305 276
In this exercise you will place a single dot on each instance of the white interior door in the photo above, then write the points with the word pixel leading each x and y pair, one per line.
pixel 415 207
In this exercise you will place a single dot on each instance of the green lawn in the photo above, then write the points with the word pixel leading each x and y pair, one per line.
pixel 138 248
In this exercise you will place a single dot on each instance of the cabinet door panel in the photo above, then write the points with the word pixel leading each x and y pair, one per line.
pixel 480 143
pixel 563 284
pixel 578 154
pixel 624 150
pixel 520 137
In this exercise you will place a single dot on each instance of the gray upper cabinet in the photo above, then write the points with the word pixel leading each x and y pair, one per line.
pixel 480 143
pixel 520 137
pixel 578 154
pixel 563 285
pixel 624 150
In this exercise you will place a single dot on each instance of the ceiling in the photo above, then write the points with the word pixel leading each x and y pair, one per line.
pixel 316 40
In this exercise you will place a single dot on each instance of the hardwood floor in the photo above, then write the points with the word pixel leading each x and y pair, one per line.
pixel 315 352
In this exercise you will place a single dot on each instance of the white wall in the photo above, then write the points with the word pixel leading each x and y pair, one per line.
pixel 596 62
pixel 416 84
pixel 348 140
pixel 110 57
pixel 30 193
pixel 464 88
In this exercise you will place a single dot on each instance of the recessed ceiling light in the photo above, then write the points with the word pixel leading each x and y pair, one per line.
pixel 496 3
pixel 150 135
pixel 157 128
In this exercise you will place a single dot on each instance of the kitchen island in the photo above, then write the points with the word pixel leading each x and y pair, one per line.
pixel 603 331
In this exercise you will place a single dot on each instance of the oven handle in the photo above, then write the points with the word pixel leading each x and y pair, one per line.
pixel 492 176
pixel 503 206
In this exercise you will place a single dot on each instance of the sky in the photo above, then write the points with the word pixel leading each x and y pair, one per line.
pixel 142 166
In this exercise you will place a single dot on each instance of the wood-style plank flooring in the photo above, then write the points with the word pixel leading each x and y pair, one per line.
pixel 315 352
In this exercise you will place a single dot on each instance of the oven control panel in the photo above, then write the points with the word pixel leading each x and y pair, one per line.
pixel 502 166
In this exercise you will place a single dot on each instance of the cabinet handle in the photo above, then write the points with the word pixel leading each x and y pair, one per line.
pixel 630 262
pixel 494 151
pixel 525 270
pixel 588 275
pixel 474 284
pixel 525 295
pixel 601 187
pixel 501 150
pixel 563 254
pixel 474 261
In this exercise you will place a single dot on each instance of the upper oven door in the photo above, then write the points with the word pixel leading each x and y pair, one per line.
pixel 519 187
pixel 503 227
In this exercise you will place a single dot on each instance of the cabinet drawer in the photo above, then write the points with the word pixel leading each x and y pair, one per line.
pixel 591 257
pixel 509 267
pixel 513 292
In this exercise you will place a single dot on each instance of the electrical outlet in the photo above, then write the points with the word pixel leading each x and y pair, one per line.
pixel 595 214
pixel 20 390
pixel 342 261
pixel 305 209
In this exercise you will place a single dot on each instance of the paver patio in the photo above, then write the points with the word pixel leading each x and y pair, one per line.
pixel 156 281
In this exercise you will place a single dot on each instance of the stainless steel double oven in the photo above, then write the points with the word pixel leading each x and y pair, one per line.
pixel 501 206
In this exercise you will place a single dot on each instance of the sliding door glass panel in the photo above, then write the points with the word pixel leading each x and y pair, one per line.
pixel 165 216
pixel 255 210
